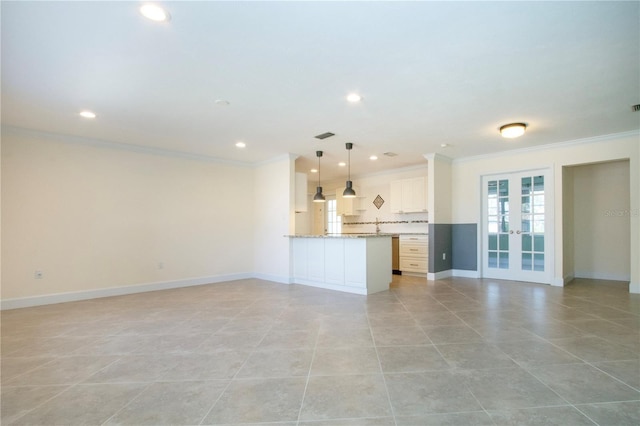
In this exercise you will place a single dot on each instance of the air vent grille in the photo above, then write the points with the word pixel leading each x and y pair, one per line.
pixel 636 107
pixel 390 154
pixel 325 135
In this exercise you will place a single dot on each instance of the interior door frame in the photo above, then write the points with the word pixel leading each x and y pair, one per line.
pixel 550 221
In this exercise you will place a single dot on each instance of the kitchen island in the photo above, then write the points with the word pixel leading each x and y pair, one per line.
pixel 353 263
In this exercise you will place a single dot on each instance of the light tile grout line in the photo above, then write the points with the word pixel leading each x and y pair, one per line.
pixel 449 364
pixel 375 346
pixel 241 367
pixel 306 384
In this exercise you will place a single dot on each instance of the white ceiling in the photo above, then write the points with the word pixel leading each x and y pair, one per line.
pixel 429 73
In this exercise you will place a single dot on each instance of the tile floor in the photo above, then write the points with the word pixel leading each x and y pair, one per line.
pixel 450 352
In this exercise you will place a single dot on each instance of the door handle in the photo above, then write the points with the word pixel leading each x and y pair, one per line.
pixel 511 232
pixel 518 232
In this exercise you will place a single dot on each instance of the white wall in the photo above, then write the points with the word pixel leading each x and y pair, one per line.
pixel 274 217
pixel 467 173
pixel 371 186
pixel 601 221
pixel 568 212
pixel 93 216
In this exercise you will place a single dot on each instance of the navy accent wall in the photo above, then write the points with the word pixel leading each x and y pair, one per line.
pixel 464 242
pixel 439 242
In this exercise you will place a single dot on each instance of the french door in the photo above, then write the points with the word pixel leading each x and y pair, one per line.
pixel 517 242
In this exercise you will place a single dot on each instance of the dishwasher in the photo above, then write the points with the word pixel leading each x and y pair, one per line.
pixel 395 255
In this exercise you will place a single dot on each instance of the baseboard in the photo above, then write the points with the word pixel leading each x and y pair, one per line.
pixel 602 276
pixel 432 276
pixel 49 299
pixel 275 278
pixel 634 287
pixel 463 273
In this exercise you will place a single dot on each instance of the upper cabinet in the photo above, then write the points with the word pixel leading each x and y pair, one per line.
pixel 301 192
pixel 349 206
pixel 409 195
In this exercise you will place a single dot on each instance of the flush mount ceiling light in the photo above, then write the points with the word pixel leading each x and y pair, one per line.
pixel 373 157
pixel 342 164
pixel 354 98
pixel 241 144
pixel 155 13
pixel 314 170
pixel 319 198
pixel 513 130
pixel 348 191
pixel 87 114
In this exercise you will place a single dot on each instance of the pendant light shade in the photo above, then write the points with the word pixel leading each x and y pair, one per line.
pixel 348 191
pixel 319 198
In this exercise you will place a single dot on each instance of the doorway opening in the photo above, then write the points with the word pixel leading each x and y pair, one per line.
pixel 596 222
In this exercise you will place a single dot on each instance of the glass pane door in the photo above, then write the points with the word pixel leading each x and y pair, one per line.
pixel 532 228
pixel 516 226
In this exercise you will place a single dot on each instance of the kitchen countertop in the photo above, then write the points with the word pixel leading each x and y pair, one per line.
pixel 357 235
pixel 341 235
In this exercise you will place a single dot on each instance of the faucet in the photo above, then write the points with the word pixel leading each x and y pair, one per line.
pixel 377 226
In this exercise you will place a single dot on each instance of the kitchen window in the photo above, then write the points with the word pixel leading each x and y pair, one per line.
pixel 334 222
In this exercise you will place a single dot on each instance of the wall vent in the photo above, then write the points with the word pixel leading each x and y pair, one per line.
pixel 390 154
pixel 636 107
pixel 324 135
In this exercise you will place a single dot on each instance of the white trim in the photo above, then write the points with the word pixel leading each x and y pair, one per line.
pixel 634 287
pixel 553 145
pixel 275 278
pixel 594 275
pixel 559 282
pixel 49 299
pixel 432 276
pixel 335 287
pixel 64 138
pixel 465 273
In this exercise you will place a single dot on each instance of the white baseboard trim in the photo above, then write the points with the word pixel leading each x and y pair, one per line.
pixel 275 278
pixel 336 287
pixel 432 276
pixel 463 273
pixel 602 276
pixel 49 299
pixel 634 287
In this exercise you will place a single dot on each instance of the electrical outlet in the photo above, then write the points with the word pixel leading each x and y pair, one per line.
pixel 37 275
pixel 444 256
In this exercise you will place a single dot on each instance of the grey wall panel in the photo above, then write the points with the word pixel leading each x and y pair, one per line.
pixel 439 243
pixel 464 241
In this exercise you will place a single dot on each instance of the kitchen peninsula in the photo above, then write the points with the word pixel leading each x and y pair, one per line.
pixel 353 263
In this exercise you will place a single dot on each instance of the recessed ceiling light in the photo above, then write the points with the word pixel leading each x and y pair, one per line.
pixel 87 114
pixel 155 13
pixel 354 97
pixel 314 170
pixel 241 144
pixel 513 130
pixel 342 164
pixel 373 157
pixel 221 102
pixel 444 145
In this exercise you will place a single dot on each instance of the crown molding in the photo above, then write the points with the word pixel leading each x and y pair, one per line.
pixel 583 141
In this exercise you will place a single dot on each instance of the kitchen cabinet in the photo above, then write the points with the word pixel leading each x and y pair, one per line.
pixel 351 263
pixel 349 206
pixel 301 193
pixel 414 253
pixel 409 195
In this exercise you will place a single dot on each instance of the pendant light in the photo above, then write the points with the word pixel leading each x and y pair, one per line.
pixel 348 191
pixel 319 198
